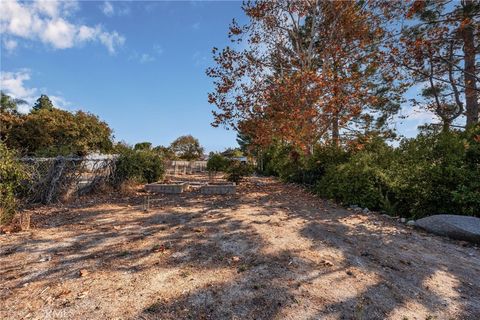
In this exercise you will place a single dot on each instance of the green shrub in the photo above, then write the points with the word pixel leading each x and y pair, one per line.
pixel 438 174
pixel 217 162
pixel 236 171
pixel 12 173
pixel 283 161
pixel 49 132
pixel 363 180
pixel 323 157
pixel 435 173
pixel 293 165
pixel 138 165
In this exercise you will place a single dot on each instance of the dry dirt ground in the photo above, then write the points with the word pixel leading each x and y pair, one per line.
pixel 272 251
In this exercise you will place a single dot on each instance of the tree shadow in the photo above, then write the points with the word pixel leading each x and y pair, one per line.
pixel 378 266
pixel 403 259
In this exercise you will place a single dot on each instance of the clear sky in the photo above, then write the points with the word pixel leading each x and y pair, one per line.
pixel 139 65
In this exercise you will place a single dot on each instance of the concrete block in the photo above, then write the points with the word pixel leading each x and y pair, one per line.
pixel 218 189
pixel 167 187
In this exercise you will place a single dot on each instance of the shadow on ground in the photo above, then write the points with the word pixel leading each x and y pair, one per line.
pixel 272 252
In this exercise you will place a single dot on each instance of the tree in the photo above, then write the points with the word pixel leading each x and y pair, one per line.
pixel 245 142
pixel 312 70
pixel 9 104
pixel 187 148
pixel 43 103
pixel 232 153
pixel 8 114
pixel 217 162
pixel 439 49
pixel 58 132
pixel 165 152
pixel 143 146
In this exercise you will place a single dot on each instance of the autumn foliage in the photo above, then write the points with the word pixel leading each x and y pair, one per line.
pixel 311 71
pixel 313 88
pixel 305 72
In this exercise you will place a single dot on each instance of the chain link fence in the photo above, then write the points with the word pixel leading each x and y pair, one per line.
pixel 176 167
pixel 56 179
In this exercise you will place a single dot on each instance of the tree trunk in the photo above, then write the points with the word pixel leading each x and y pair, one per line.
pixel 471 93
pixel 446 125
pixel 335 130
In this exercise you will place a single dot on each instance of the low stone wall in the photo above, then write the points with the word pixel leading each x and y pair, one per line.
pixel 218 189
pixel 167 188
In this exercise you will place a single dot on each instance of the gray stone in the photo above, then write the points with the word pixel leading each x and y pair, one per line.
pixel 403 220
pixel 218 189
pixel 453 226
pixel 178 187
pixel 366 210
pixel 411 223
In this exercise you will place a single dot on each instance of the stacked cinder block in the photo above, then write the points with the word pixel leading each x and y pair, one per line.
pixel 167 188
pixel 218 189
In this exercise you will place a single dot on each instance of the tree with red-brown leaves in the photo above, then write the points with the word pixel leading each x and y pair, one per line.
pixel 308 71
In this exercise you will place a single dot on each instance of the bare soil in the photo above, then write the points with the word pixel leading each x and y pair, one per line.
pixel 271 251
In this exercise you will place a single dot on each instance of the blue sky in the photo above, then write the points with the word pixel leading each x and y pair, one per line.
pixel 140 66
pixel 152 87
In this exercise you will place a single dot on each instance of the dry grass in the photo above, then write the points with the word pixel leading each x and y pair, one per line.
pixel 272 251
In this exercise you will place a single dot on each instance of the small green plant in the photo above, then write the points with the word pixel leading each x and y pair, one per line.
pixel 242 268
pixel 387 205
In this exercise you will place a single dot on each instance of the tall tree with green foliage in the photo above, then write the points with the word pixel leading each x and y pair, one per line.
pixel 439 47
pixel 43 103
pixel 9 114
pixel 187 148
pixel 143 146
pixel 165 152
pixel 53 132
pixel 9 104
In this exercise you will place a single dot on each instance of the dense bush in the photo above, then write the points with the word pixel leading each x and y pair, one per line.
pixel 362 180
pixel 234 170
pixel 12 174
pixel 217 162
pixel 52 132
pixel 237 170
pixel 323 157
pixel 433 173
pixel 138 165
pixel 283 161
pixel 293 166
pixel 438 173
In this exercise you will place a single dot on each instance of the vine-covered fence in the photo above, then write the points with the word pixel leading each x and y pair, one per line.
pixel 55 179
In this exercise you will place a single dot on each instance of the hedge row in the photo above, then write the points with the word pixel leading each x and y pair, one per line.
pixel 434 173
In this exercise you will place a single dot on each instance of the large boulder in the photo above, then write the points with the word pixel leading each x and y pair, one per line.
pixel 456 227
